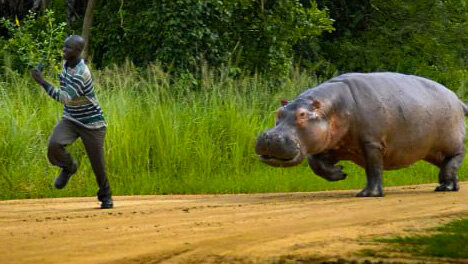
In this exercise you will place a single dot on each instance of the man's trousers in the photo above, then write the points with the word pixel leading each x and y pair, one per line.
pixel 65 133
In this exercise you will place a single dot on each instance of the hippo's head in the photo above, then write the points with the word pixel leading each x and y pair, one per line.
pixel 302 128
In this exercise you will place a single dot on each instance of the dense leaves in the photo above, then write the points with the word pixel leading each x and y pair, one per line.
pixel 34 40
pixel 422 37
pixel 327 37
pixel 254 35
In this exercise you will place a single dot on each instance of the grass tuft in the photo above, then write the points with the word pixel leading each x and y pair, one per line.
pixel 450 241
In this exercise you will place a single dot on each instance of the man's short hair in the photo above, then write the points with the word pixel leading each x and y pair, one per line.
pixel 77 40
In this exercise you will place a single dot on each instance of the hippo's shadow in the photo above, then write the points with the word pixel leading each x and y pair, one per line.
pixel 311 195
pixel 347 194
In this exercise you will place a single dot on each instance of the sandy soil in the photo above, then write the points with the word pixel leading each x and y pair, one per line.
pixel 259 228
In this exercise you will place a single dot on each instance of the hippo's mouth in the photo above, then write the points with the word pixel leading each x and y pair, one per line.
pixel 281 162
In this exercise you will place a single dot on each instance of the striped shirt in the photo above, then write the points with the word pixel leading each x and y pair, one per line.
pixel 77 94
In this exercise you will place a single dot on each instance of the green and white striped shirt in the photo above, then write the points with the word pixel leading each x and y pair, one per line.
pixel 77 94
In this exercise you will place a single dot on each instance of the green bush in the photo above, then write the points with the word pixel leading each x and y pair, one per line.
pixel 33 40
pixel 184 34
pixel 422 37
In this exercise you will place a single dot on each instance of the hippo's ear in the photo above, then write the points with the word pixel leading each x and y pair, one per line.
pixel 316 104
pixel 284 102
pixel 319 109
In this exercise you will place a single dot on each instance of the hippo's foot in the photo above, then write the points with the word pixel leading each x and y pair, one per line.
pixel 323 167
pixel 334 173
pixel 331 173
pixel 444 187
pixel 375 192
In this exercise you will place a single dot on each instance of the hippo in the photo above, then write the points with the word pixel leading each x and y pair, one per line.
pixel 379 121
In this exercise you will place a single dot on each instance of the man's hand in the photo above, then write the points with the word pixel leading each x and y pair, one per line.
pixel 37 76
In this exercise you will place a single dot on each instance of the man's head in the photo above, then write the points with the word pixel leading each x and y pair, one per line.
pixel 74 45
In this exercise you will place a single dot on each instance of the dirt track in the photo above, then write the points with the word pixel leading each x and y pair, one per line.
pixel 217 228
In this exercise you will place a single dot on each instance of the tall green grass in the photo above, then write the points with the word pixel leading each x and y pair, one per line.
pixel 165 137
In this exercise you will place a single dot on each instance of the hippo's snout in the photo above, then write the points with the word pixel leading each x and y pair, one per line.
pixel 278 150
pixel 276 145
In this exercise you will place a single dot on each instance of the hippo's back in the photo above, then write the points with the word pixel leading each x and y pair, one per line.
pixel 411 117
pixel 395 86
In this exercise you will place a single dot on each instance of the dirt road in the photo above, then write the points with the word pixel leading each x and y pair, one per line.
pixel 259 228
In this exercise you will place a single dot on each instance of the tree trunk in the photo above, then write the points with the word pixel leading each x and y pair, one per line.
pixel 87 23
pixel 70 12
pixel 39 5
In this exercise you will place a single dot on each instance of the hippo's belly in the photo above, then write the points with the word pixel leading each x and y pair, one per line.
pixel 391 161
pixel 432 144
pixel 402 159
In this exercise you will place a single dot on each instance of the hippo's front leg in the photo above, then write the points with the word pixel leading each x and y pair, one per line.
pixel 374 171
pixel 323 165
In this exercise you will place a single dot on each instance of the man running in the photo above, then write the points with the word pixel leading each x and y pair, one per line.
pixel 83 117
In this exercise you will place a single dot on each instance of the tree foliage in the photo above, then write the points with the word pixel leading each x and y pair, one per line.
pixel 34 40
pixel 422 37
pixel 254 35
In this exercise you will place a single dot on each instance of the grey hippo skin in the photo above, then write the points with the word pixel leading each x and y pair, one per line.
pixel 380 121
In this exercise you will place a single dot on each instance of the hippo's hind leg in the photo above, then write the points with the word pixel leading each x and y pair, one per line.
pixel 374 171
pixel 323 165
pixel 448 180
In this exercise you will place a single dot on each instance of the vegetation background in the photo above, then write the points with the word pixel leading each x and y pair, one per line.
pixel 187 85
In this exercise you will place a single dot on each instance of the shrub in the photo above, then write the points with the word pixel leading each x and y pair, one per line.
pixel 422 37
pixel 253 35
pixel 36 39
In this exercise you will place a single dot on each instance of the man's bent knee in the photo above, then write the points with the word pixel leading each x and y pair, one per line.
pixel 54 151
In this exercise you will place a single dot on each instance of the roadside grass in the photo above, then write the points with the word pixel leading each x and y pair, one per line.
pixel 449 241
pixel 166 137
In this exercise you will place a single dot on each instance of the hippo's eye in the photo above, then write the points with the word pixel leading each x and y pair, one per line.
pixel 302 114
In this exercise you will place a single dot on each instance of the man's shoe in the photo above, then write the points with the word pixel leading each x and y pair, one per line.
pixel 62 180
pixel 107 203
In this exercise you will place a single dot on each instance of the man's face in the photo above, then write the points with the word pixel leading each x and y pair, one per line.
pixel 71 50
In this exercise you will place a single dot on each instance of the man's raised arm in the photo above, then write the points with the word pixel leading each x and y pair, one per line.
pixel 62 96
